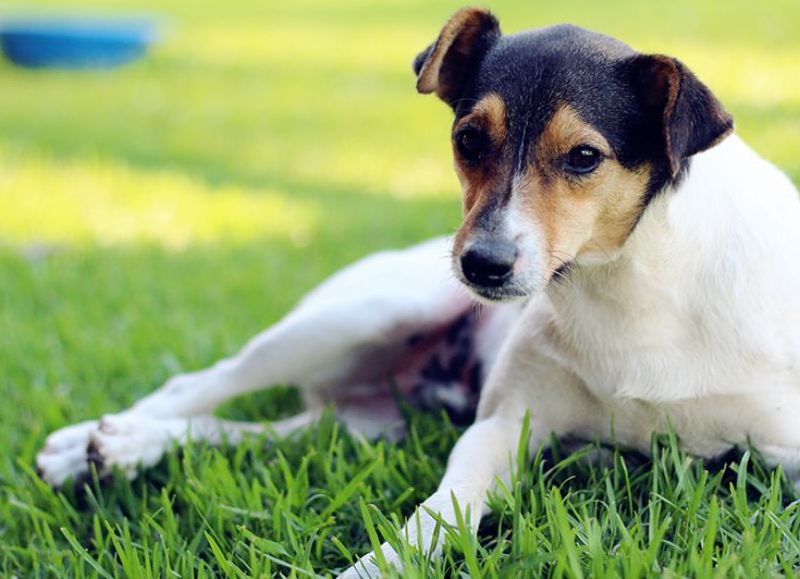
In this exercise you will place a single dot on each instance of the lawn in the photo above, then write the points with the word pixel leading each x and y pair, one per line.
pixel 155 217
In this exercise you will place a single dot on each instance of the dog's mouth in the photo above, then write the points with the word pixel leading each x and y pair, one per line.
pixel 496 295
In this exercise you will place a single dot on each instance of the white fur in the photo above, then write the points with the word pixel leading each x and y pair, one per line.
pixel 694 323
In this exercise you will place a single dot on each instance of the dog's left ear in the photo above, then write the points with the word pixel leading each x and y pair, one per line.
pixel 688 115
pixel 445 66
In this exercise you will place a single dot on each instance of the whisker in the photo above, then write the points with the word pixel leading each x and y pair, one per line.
pixel 477 309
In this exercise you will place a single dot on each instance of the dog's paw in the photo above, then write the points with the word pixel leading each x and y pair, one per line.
pixel 125 441
pixel 130 442
pixel 366 568
pixel 64 454
pixel 361 570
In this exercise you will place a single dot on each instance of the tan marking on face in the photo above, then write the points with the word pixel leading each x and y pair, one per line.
pixel 579 215
pixel 491 113
pixel 480 183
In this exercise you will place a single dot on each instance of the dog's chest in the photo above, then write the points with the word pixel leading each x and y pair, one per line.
pixel 650 347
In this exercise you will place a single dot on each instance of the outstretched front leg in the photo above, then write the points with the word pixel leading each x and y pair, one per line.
pixel 354 317
pixel 483 454
pixel 523 381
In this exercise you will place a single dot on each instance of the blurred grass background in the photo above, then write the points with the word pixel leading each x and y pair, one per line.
pixel 152 218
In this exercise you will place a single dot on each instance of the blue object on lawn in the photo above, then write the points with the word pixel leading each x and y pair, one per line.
pixel 73 42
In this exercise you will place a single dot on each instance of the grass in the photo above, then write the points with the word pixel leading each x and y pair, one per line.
pixel 153 218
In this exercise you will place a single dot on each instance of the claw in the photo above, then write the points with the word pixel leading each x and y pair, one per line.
pixel 94 457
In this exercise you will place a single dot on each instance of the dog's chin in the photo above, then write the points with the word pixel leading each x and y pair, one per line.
pixel 497 295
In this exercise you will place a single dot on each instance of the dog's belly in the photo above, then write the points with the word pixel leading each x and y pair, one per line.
pixel 444 374
pixel 430 369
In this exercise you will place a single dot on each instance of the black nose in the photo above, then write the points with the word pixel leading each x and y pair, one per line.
pixel 489 263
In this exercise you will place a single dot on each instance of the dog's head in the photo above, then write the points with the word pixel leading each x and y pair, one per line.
pixel 561 138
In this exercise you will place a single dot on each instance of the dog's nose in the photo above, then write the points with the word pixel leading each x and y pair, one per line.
pixel 489 263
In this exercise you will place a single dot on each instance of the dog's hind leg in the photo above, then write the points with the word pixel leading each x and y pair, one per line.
pixel 320 344
pixel 342 326
pixel 129 442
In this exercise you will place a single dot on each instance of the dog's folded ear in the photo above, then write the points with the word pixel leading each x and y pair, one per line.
pixel 446 65
pixel 684 110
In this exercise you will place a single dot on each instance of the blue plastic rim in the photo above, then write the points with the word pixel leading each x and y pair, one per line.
pixel 76 42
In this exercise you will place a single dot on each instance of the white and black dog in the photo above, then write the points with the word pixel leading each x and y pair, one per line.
pixel 640 261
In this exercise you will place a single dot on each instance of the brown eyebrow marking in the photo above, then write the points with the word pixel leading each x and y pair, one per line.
pixel 565 130
pixel 490 112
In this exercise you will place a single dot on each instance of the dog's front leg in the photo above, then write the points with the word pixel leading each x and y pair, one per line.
pixel 484 453
pixel 525 379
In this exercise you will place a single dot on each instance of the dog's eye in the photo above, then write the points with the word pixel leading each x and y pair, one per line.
pixel 470 142
pixel 582 160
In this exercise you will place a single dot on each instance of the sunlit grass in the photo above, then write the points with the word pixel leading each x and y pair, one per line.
pixel 103 202
pixel 153 218
pixel 325 99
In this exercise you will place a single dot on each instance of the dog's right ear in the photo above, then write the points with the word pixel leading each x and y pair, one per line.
pixel 445 66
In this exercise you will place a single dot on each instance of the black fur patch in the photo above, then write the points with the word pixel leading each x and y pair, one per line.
pixel 650 109
pixel 451 378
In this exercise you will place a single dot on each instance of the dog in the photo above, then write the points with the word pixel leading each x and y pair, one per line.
pixel 637 260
